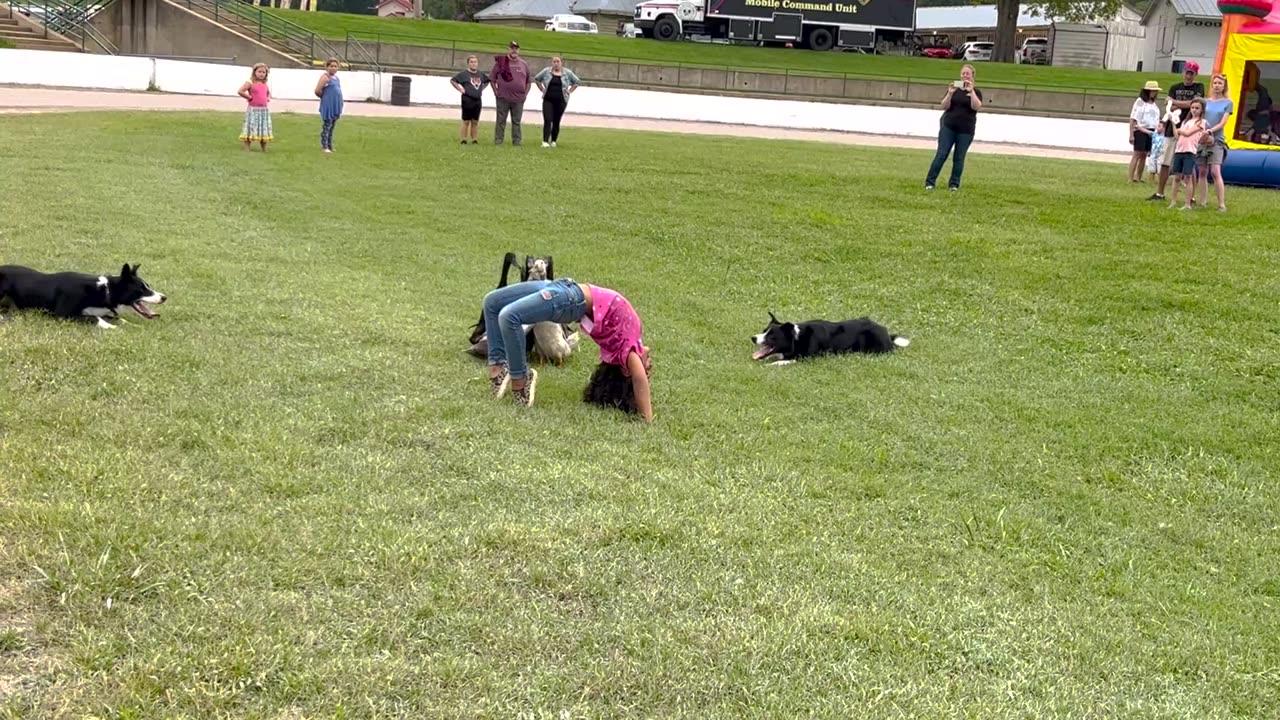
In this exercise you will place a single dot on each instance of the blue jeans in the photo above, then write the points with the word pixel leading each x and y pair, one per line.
pixel 947 139
pixel 507 310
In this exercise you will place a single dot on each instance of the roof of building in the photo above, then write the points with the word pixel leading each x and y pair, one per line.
pixel 607 7
pixel 971 16
pixel 1187 8
pixel 535 9
pixel 406 4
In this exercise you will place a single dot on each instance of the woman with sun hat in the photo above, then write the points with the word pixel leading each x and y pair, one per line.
pixel 1143 120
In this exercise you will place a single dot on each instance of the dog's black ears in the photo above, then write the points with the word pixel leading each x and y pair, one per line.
pixel 774 318
pixel 127 271
pixel 508 262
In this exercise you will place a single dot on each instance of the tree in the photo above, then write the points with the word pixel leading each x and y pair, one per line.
pixel 1007 19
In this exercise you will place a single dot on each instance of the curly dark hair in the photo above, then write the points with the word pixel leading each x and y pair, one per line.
pixel 609 388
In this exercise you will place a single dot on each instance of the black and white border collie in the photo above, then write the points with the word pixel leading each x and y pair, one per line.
pixel 787 342
pixel 77 296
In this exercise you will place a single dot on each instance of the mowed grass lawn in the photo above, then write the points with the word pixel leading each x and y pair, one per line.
pixel 291 497
pixel 606 46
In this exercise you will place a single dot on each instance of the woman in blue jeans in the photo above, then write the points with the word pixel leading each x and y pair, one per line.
pixel 960 108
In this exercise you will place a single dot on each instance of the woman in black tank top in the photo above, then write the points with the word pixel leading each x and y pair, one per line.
pixel 557 83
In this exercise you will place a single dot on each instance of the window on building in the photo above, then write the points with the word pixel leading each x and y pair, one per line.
pixel 1257 119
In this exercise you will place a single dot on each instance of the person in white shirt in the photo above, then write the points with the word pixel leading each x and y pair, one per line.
pixel 1143 120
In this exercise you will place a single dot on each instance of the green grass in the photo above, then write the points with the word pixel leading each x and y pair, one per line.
pixel 607 47
pixel 290 496
pixel 5 44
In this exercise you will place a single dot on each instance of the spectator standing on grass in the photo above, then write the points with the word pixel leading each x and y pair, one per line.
pixel 1182 94
pixel 1216 111
pixel 557 83
pixel 1143 120
pixel 329 90
pixel 511 81
pixel 257 118
pixel 471 84
pixel 960 108
pixel 1184 155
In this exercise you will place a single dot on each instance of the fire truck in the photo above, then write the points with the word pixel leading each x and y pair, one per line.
pixel 813 24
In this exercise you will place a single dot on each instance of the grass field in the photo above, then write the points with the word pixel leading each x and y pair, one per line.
pixel 490 38
pixel 290 496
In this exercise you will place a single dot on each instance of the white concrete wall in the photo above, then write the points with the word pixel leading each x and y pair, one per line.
pixel 54 69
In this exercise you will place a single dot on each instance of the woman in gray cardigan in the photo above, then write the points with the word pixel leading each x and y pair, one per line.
pixel 557 83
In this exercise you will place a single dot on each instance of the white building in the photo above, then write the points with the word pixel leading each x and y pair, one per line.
pixel 1181 30
pixel 395 8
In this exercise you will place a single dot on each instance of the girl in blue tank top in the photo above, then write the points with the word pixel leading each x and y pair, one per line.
pixel 329 90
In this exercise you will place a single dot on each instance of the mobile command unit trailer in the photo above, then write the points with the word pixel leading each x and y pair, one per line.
pixel 807 23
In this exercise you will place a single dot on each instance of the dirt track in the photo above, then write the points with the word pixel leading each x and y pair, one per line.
pixel 37 100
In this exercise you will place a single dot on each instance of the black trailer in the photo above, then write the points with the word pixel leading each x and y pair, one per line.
pixel 807 23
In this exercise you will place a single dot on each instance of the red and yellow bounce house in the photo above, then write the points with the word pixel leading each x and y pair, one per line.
pixel 1249 55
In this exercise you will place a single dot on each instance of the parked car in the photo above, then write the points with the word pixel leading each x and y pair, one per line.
pixel 570 24
pixel 936 48
pixel 1034 51
pixel 975 51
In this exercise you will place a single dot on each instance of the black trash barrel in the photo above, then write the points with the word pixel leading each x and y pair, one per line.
pixel 400 90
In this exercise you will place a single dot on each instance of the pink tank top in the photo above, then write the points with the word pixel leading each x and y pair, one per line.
pixel 614 326
pixel 259 94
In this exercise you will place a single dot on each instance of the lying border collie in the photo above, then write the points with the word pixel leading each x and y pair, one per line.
pixel 77 296
pixel 788 342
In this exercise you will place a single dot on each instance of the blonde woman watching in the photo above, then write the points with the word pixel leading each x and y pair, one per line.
pixel 557 83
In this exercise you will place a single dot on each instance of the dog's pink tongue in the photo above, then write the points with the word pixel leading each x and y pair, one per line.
pixel 761 354
pixel 144 311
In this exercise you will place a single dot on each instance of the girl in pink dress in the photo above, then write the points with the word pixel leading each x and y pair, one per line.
pixel 257 119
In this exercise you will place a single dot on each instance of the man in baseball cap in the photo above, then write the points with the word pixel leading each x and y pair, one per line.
pixel 1182 94
pixel 511 79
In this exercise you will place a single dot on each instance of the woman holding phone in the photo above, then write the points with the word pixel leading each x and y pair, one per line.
pixel 960 108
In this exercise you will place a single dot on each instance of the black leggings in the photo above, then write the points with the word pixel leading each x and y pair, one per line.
pixel 552 110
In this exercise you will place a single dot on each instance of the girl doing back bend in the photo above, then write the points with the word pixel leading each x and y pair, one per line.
pixel 606 316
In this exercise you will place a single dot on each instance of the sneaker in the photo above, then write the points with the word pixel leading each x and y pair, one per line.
pixel 524 396
pixel 464 142
pixel 475 142
pixel 1222 208
pixel 553 143
pixel 498 385
pixel 954 188
pixel 928 187
pixel 546 144
pixel 1156 196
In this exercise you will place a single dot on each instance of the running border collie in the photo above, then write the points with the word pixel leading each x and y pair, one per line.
pixel 787 342
pixel 78 296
